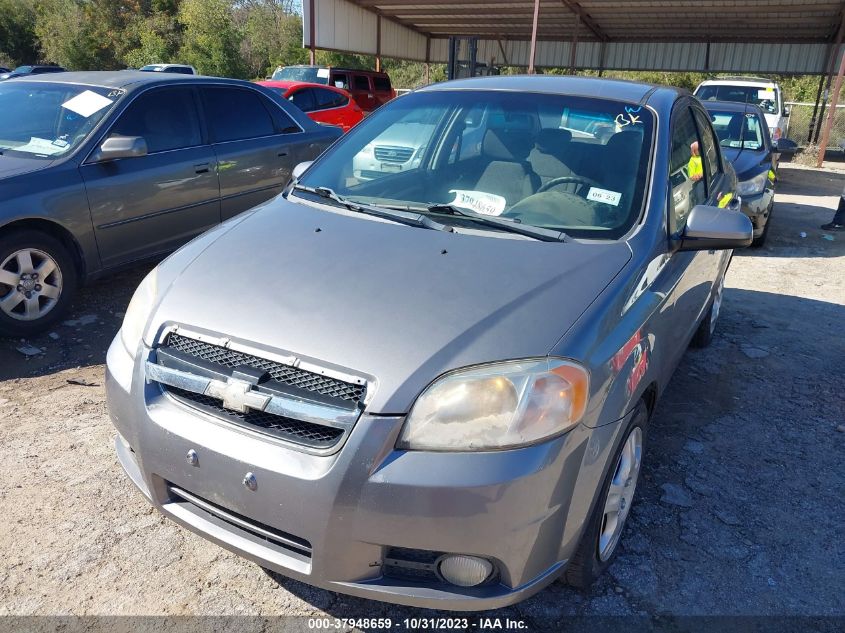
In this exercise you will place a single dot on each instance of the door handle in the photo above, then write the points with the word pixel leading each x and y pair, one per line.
pixel 282 153
pixel 202 168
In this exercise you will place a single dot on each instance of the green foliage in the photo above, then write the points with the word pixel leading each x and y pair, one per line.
pixel 17 32
pixel 153 39
pixel 211 42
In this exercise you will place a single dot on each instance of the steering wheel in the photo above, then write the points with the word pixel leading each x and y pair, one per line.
pixel 563 180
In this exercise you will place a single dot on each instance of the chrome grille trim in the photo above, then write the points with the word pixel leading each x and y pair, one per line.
pixel 393 154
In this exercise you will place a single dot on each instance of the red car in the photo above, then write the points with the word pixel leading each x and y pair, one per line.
pixel 323 104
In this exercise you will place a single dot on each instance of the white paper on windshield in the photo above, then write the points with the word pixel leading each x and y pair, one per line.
pixel 41 146
pixel 323 73
pixel 766 95
pixel 604 195
pixel 479 201
pixel 87 103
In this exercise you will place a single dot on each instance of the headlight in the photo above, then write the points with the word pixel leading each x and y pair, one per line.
pixel 138 312
pixel 753 186
pixel 504 405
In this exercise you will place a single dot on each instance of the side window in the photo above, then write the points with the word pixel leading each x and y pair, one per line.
pixel 381 84
pixel 303 99
pixel 686 169
pixel 709 144
pixel 236 114
pixel 362 82
pixel 328 99
pixel 340 80
pixel 167 119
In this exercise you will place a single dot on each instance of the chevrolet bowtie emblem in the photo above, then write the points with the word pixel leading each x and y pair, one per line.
pixel 237 395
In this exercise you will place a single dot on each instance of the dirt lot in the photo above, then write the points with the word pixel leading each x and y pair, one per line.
pixel 740 510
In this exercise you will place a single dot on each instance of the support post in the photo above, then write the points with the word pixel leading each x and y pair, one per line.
pixel 831 113
pixel 573 52
pixel 378 43
pixel 830 65
pixel 312 52
pixel 815 109
pixel 428 59
pixel 533 52
pixel 602 58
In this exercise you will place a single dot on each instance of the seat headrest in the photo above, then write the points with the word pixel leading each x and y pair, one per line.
pixel 624 143
pixel 508 145
pixel 552 140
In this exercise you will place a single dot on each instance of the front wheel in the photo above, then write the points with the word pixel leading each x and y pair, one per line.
pixel 600 541
pixel 37 282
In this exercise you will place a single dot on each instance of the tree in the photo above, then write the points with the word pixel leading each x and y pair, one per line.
pixel 210 41
pixel 18 44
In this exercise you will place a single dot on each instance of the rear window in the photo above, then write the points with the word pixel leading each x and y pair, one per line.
pixel 764 96
pixel 329 99
pixel 382 84
pixel 250 121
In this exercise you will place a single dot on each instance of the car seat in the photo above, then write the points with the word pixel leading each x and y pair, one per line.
pixel 508 172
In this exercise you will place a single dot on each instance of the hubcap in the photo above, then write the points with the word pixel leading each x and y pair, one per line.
pixel 717 304
pixel 620 494
pixel 30 284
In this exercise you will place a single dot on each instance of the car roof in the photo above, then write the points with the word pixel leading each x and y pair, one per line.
pixel 363 71
pixel 127 79
pixel 289 83
pixel 618 89
pixel 739 81
pixel 733 106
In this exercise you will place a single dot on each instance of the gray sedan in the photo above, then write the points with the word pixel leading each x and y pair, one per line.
pixel 440 393
pixel 102 169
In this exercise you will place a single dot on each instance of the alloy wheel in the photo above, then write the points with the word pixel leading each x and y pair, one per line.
pixel 620 494
pixel 30 284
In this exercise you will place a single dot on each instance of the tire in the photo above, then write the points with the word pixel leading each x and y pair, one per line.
pixel 704 334
pixel 25 253
pixel 596 552
pixel 759 241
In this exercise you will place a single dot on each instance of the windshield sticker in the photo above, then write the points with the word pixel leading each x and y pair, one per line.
pixel 766 95
pixel 479 201
pixel 603 195
pixel 41 146
pixel 87 103
pixel 323 73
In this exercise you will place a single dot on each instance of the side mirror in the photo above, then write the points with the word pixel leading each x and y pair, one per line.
pixel 300 169
pixel 115 147
pixel 785 110
pixel 711 228
pixel 786 146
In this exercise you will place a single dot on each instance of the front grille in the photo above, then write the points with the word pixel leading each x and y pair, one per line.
pixel 391 154
pixel 293 376
pixel 411 564
pixel 297 431
pixel 270 535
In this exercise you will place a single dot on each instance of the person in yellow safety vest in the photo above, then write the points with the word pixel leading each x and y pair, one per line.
pixel 695 170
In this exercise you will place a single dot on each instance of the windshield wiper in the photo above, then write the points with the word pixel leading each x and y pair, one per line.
pixel 510 226
pixel 403 217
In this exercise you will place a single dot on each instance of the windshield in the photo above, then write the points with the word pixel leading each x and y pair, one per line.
pixel 570 164
pixel 766 98
pixel 43 120
pixel 738 129
pixel 309 74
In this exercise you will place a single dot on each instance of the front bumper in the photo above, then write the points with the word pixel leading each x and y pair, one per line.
pixel 758 209
pixel 331 520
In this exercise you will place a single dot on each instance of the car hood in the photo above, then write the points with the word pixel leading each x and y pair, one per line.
pixel 747 162
pixel 16 166
pixel 395 304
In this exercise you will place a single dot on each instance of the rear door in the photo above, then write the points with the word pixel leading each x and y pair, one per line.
pixel 382 89
pixel 256 144
pixel 330 108
pixel 152 204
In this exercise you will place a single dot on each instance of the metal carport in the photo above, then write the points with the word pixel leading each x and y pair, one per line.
pixel 751 36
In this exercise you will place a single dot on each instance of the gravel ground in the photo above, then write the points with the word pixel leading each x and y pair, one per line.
pixel 739 510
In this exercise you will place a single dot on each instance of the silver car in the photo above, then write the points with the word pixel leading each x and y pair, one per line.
pixel 433 387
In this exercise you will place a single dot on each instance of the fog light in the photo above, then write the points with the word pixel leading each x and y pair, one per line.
pixel 465 571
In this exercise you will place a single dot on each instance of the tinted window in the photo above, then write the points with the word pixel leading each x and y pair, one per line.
pixel 709 142
pixel 166 118
pixel 362 82
pixel 304 100
pixel 382 84
pixel 686 168
pixel 235 114
pixel 340 80
pixel 412 153
pixel 329 99
pixel 182 70
pixel 765 97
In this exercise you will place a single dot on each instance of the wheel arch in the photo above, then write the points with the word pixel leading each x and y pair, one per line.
pixel 57 231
